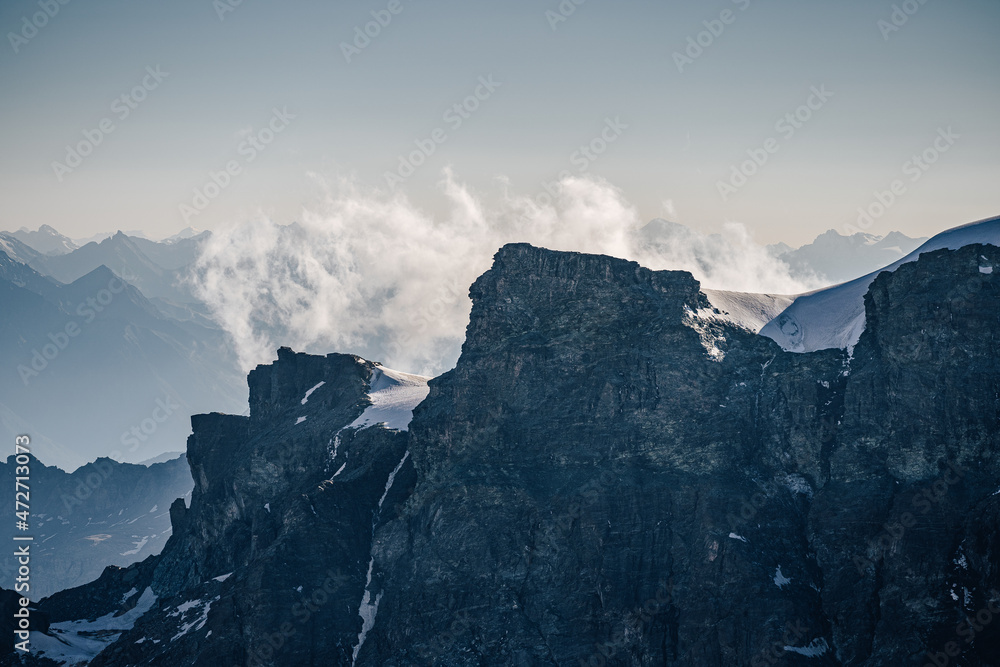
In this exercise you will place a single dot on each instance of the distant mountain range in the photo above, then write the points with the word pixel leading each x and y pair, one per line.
pixel 92 367
pixel 46 240
pixel 82 392
pixel 835 258
pixel 617 471
pixel 104 513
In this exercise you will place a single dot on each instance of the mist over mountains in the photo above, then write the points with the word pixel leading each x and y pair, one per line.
pixel 370 275
pixel 94 368
pixel 375 275
pixel 617 462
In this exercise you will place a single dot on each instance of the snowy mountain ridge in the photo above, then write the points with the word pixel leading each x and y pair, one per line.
pixel 833 317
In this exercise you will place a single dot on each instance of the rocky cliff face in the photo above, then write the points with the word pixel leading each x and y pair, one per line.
pixel 610 475
pixel 103 513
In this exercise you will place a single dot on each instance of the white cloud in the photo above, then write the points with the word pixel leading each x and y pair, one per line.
pixel 370 273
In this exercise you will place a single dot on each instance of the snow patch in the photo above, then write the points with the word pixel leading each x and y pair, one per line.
pixel 835 317
pixel 222 577
pixel 734 536
pixel 780 580
pixel 138 545
pixel 199 621
pixel 393 396
pixel 78 642
pixel 813 649
pixel 745 310
pixel 368 609
pixel 798 484
pixel 299 420
pixel 305 399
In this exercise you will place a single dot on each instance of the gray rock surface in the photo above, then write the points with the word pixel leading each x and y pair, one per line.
pixel 604 478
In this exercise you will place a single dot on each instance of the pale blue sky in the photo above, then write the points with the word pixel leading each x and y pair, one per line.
pixel 608 60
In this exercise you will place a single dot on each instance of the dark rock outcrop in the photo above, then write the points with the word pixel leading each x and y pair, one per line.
pixel 608 477
pixel 103 513
pixel 271 559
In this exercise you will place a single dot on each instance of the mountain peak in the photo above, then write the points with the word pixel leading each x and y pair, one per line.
pixel 46 240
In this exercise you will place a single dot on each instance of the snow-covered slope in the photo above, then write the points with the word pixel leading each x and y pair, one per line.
pixel 835 317
pixel 393 395
pixel 75 643
pixel 745 309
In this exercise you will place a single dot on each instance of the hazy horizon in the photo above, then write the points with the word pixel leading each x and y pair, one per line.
pixel 669 99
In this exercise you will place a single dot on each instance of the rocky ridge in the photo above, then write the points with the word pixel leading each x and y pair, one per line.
pixel 605 478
